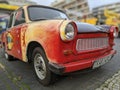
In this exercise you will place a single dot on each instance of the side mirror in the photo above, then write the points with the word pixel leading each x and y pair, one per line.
pixel 0 28
pixel 20 21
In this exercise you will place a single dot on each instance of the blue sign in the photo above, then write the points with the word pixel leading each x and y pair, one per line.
pixel 3 25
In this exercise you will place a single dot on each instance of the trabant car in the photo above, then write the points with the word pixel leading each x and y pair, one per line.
pixel 46 37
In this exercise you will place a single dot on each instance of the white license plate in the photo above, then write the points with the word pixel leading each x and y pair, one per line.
pixel 101 61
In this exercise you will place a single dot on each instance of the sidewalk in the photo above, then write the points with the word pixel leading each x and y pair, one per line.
pixel 111 84
pixel 8 79
pixel 8 83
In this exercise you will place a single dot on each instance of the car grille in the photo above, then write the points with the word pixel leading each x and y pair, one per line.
pixel 91 44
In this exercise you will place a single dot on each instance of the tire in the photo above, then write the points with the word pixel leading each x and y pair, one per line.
pixel 40 66
pixel 119 35
pixel 7 56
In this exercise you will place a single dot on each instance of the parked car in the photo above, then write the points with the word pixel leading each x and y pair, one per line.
pixel 3 25
pixel 54 44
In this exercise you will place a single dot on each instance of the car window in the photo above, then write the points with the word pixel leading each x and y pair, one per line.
pixel 40 13
pixel 19 17
pixel 10 20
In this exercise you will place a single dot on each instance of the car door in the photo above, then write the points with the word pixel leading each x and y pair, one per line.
pixel 8 37
pixel 14 34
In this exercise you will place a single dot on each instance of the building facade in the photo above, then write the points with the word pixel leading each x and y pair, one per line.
pixel 74 8
pixel 112 7
pixel 19 2
pixel 99 11
pixel 7 6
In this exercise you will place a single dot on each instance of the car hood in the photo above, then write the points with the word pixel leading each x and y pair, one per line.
pixel 87 28
pixel 82 27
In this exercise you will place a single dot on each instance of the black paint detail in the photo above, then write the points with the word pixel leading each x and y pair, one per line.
pixel 89 28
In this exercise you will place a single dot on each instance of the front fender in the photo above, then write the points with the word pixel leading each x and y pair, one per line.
pixel 45 33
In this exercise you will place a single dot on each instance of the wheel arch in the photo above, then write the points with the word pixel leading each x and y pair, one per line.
pixel 31 46
pixel 2 44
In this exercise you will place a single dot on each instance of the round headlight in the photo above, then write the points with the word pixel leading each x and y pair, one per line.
pixel 115 33
pixel 69 32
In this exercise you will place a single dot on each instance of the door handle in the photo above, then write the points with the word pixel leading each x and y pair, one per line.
pixel 8 31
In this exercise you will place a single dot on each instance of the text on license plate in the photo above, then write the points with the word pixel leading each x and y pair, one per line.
pixel 101 61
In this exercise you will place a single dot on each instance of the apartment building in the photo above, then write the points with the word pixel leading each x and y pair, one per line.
pixel 112 7
pixel 18 2
pixel 75 8
pixel 99 11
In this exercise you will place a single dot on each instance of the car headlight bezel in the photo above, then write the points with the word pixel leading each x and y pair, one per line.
pixel 115 32
pixel 68 31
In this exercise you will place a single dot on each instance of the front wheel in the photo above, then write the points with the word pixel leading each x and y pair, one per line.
pixel 40 65
pixel 118 34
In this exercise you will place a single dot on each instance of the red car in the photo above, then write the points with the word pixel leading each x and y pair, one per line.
pixel 54 44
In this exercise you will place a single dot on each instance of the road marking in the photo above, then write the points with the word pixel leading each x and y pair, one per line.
pixel 14 78
pixel 2 66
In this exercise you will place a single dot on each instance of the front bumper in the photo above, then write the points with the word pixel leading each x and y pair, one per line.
pixel 77 65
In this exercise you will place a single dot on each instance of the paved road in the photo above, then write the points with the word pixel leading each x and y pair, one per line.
pixel 17 75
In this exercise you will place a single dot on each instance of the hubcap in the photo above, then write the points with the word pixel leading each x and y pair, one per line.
pixel 6 55
pixel 40 67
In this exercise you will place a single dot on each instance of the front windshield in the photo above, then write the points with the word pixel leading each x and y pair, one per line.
pixel 41 13
pixel 2 25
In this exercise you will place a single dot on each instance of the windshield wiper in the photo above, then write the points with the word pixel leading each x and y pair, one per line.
pixel 61 18
pixel 40 19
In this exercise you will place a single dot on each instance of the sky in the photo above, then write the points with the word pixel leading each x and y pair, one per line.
pixel 96 3
pixel 92 3
pixel 44 2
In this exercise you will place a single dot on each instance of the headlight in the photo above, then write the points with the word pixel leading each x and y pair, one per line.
pixel 115 33
pixel 68 32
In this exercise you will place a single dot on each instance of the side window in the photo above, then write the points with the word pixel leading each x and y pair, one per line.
pixel 10 20
pixel 19 17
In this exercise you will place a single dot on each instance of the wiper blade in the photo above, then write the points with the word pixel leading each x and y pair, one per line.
pixel 61 18
pixel 40 19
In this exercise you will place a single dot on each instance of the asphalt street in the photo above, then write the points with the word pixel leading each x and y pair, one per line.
pixel 17 75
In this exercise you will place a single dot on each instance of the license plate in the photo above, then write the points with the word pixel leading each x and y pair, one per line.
pixel 101 61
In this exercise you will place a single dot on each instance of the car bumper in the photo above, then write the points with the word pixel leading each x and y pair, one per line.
pixel 77 65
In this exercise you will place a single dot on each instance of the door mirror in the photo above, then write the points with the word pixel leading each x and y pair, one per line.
pixel 17 22
pixel 0 28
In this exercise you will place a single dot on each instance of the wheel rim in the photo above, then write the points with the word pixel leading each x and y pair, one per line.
pixel 6 55
pixel 40 67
